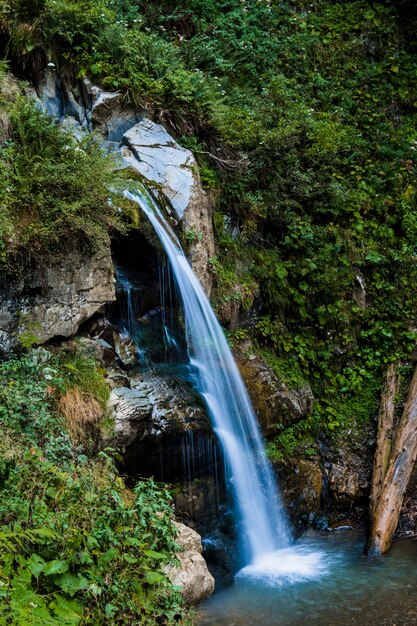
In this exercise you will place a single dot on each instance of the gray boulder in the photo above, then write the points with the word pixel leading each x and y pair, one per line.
pixel 191 575
pixel 153 407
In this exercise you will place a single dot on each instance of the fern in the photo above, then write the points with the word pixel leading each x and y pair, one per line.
pixel 16 541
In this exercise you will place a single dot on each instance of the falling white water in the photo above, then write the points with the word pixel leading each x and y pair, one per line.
pixel 262 527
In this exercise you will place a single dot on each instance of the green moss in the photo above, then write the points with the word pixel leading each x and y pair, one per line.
pixel 296 440
pixel 286 368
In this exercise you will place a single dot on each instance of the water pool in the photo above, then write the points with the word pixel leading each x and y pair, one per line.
pixel 343 587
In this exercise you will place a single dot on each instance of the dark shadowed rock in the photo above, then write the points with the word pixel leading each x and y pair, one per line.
pixel 302 487
pixel 349 479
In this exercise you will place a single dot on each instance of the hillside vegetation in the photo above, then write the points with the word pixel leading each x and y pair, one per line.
pixel 303 118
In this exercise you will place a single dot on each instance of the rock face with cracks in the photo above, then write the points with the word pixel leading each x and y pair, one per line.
pixel 273 400
pixel 155 155
pixel 53 301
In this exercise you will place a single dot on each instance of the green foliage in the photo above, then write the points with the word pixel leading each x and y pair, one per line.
pixel 294 440
pixel 76 546
pixel 27 387
pixel 55 189
pixel 287 368
pixel 80 370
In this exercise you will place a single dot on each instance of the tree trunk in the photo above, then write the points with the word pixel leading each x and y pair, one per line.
pixel 387 505
pixel 385 435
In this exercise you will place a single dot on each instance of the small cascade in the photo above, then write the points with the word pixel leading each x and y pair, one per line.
pixel 261 524
pixel 129 313
pixel 167 299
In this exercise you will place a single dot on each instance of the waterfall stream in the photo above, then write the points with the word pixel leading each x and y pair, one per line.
pixel 260 519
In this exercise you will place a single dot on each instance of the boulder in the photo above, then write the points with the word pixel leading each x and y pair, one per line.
pixel 53 301
pixel 151 406
pixel 191 575
pixel 161 426
pixel 349 479
pixel 344 484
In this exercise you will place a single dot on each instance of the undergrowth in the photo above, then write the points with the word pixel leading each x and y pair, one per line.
pixel 76 546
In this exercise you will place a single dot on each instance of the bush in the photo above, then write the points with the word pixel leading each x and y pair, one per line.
pixel 55 189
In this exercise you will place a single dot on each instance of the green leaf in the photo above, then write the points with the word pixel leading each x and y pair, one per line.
pixel 130 559
pixel 111 554
pixel 154 555
pixel 110 609
pixel 51 492
pixel 35 564
pixel 154 578
pixel 280 272
pixel 70 583
pixel 55 567
pixel 68 611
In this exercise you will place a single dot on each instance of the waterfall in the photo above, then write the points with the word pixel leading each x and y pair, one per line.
pixel 261 524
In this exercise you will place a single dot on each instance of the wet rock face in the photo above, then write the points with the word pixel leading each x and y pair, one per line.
pixel 192 575
pixel 274 402
pixel 302 491
pixel 161 428
pixel 53 301
pixel 349 480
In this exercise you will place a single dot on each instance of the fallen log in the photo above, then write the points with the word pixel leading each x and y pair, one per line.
pixel 388 497
pixel 385 435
